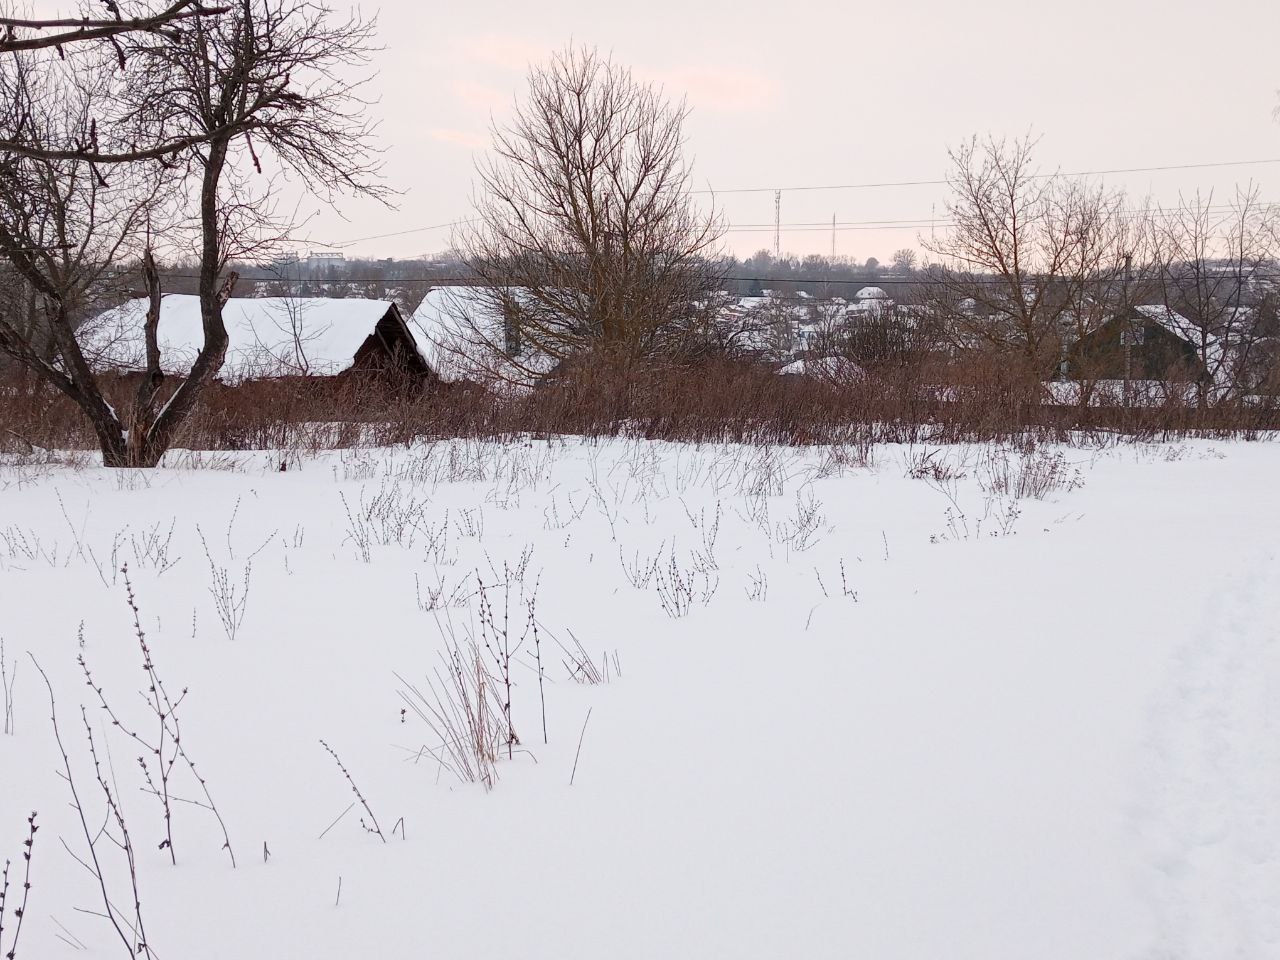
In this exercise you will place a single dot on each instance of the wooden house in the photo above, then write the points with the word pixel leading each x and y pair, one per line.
pixel 268 337
pixel 1149 343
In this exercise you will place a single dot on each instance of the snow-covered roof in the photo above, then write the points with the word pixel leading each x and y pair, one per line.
pixel 461 335
pixel 1171 320
pixel 743 304
pixel 838 370
pixel 266 335
pixel 871 309
pixel 871 293
pixel 1208 346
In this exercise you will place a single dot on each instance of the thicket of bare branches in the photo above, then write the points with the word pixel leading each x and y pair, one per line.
pixel 65 226
pixel 1031 258
pixel 587 235
pixel 1209 261
pixel 104 29
pixel 205 114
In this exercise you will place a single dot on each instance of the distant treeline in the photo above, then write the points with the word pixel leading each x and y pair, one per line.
pixel 408 280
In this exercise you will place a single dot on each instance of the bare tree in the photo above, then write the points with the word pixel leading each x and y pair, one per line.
pixel 1029 255
pixel 1114 260
pixel 779 318
pixel 1211 267
pixel 905 260
pixel 587 235
pixel 733 333
pixel 827 324
pixel 264 86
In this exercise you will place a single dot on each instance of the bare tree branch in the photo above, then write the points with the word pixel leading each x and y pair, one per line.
pixel 86 29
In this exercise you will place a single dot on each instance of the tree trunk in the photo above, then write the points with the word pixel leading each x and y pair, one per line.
pixel 160 428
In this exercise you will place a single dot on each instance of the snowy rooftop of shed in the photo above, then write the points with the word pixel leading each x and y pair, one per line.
pixel 461 336
pixel 267 336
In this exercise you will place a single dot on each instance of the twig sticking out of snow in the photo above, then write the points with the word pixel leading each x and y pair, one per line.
pixel 20 910
pixel 372 825
pixel 578 754
pixel 166 745
pixel 129 927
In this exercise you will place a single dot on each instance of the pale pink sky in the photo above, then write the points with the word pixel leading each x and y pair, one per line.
pixel 838 92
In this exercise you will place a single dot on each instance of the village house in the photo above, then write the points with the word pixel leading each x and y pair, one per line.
pixel 1151 354
pixel 787 327
pixel 267 337
pixel 464 336
pixel 1149 342
pixel 870 303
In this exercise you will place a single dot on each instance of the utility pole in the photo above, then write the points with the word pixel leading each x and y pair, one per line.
pixel 1127 331
pixel 833 236
pixel 777 225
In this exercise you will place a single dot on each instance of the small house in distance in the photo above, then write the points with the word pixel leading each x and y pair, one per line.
pixel 870 303
pixel 472 335
pixel 1153 342
pixel 268 337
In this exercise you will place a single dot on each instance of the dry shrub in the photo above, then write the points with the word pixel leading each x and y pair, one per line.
pixel 1037 474
pixel 975 399
pixel 35 417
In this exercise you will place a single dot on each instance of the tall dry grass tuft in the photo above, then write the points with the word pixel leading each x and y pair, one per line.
pixel 462 708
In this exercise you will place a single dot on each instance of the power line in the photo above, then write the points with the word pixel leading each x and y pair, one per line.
pixel 916 223
pixel 922 222
pixel 859 281
pixel 850 186
pixel 398 233
pixel 827 228
pixel 942 183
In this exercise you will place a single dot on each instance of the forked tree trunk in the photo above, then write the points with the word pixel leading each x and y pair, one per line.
pixel 144 404
pixel 153 426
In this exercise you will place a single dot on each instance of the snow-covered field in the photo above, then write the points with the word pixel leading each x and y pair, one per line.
pixel 896 709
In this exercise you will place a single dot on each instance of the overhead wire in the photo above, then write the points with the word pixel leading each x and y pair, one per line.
pixel 860 281
pixel 342 244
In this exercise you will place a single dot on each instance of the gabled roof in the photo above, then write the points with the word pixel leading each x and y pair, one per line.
pixel 462 336
pixel 1209 347
pixel 267 335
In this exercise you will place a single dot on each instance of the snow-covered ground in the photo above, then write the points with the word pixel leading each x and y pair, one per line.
pixel 889 710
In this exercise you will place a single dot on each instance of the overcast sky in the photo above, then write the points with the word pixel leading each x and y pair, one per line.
pixel 838 92
pixel 819 93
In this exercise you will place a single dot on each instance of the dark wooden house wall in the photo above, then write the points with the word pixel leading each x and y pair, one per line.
pixel 391 350
pixel 1161 356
